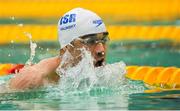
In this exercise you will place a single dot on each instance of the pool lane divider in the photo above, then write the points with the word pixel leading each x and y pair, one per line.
pixel 6 69
pixel 121 10
pixel 40 33
pixel 156 78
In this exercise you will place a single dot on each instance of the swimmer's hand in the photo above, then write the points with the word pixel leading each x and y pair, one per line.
pixel 37 75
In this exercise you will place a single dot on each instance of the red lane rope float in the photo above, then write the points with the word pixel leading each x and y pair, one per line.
pixel 6 69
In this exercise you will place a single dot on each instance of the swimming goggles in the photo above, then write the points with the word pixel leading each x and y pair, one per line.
pixel 91 39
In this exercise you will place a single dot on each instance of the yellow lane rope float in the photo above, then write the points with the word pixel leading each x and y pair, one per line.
pixel 159 77
pixel 120 10
pixel 162 77
pixel 17 33
pixel 4 69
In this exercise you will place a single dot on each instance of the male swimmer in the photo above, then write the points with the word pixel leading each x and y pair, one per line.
pixel 78 28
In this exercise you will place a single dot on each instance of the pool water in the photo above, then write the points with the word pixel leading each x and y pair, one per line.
pixel 153 53
pixel 128 95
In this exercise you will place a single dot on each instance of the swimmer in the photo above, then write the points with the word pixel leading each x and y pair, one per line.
pixel 78 28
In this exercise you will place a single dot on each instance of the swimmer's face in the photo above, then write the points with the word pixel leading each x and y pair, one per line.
pixel 95 43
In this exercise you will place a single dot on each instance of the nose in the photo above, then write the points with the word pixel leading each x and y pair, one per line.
pixel 99 50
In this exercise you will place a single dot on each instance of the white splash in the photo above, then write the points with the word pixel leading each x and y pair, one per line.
pixel 84 77
pixel 80 77
pixel 32 47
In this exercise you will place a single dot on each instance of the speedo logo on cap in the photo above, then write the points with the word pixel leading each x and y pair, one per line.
pixel 69 18
pixel 97 22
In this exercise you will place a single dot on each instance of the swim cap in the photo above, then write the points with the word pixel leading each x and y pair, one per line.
pixel 78 22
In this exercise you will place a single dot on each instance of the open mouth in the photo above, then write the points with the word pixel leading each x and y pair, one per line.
pixel 99 63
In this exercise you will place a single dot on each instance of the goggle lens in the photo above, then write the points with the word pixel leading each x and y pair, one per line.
pixel 94 39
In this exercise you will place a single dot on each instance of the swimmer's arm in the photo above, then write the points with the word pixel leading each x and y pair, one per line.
pixel 48 65
pixel 36 75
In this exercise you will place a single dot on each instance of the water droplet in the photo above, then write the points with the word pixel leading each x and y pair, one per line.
pixel 12 41
pixel 20 25
pixel 28 35
pixel 12 18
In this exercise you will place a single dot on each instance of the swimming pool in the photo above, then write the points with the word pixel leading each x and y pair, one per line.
pixel 129 95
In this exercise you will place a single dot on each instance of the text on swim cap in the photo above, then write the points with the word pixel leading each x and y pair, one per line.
pixel 69 18
pixel 68 27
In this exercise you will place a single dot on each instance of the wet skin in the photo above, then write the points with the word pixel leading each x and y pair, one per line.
pixel 43 73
